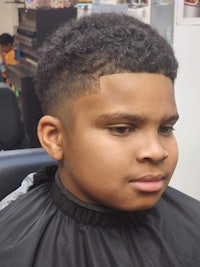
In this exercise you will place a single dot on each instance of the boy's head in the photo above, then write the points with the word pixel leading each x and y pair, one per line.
pixel 106 85
pixel 6 42
pixel 72 61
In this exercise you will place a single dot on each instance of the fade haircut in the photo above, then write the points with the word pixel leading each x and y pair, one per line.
pixel 79 52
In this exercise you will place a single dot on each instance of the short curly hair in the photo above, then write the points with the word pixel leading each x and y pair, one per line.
pixel 79 52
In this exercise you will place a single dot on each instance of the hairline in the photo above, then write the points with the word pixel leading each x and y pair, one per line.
pixel 94 88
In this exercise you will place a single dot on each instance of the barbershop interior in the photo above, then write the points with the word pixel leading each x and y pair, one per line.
pixel 29 22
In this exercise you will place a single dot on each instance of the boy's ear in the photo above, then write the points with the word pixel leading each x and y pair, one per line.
pixel 50 135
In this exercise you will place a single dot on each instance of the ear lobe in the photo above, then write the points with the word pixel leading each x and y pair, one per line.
pixel 50 135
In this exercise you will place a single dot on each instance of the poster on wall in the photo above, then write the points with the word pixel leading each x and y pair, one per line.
pixel 32 4
pixel 139 9
pixel 188 12
pixel 136 8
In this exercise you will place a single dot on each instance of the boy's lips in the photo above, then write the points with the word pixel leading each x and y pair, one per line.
pixel 148 183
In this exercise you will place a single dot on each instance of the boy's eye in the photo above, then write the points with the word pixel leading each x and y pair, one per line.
pixel 167 130
pixel 120 130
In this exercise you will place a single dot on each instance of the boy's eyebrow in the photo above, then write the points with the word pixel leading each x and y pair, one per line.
pixel 171 119
pixel 136 118
pixel 124 116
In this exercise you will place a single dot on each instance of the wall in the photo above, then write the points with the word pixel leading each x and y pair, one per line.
pixel 8 17
pixel 187 89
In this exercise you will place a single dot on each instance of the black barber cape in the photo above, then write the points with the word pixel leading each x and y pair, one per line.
pixel 48 227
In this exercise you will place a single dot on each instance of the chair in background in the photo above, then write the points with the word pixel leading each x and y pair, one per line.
pixel 15 165
pixel 12 134
pixel 31 110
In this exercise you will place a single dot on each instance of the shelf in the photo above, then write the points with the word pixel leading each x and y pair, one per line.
pixel 14 2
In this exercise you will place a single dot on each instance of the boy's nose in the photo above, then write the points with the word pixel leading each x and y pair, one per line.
pixel 152 150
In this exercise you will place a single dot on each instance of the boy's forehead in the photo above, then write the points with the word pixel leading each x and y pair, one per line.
pixel 122 75
pixel 139 79
pixel 110 83
pixel 121 85
pixel 127 93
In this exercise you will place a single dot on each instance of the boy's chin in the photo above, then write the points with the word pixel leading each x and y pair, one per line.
pixel 146 202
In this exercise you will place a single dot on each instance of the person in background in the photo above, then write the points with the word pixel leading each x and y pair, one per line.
pixel 106 85
pixel 7 54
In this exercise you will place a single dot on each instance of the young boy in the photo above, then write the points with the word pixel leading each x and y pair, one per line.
pixel 7 53
pixel 106 84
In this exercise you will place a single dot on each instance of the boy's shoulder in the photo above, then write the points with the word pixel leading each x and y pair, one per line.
pixel 178 212
pixel 180 206
pixel 182 217
pixel 178 199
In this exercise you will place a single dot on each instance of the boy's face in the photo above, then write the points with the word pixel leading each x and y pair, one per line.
pixel 119 148
pixel 5 48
